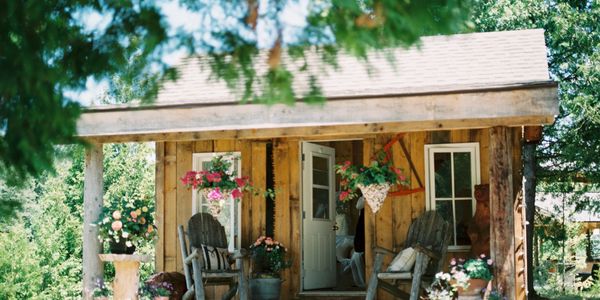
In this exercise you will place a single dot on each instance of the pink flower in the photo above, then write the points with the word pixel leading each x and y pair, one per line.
pixel 453 262
pixel 482 255
pixel 116 225
pixel 213 177
pixel 215 195
pixel 133 214
pixel 490 262
pixel 402 177
pixel 236 194
pixel 116 215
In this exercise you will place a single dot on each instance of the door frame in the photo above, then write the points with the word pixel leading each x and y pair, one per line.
pixel 301 218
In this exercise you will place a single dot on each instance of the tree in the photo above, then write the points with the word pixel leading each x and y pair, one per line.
pixel 566 159
pixel 49 48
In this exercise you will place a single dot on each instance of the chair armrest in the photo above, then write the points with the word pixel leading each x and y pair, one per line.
pixel 384 251
pixel 239 253
pixel 425 251
pixel 191 257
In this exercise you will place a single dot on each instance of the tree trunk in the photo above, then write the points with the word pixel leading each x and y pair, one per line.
pixel 529 163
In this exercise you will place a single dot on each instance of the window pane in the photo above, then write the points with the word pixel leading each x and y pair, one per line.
pixel 320 171
pixel 464 214
pixel 443 180
pixel 320 203
pixel 444 208
pixel 462 174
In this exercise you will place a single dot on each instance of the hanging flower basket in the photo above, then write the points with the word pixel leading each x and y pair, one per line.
pixel 375 194
pixel 216 199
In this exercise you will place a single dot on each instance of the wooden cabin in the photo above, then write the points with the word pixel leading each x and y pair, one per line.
pixel 451 112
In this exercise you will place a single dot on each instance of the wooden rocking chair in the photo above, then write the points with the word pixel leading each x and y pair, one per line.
pixel 204 229
pixel 429 236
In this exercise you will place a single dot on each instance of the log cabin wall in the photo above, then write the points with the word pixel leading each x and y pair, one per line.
pixel 387 228
pixel 174 200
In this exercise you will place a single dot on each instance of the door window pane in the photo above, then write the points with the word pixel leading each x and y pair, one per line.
pixel 464 215
pixel 320 171
pixel 320 203
pixel 443 175
pixel 462 175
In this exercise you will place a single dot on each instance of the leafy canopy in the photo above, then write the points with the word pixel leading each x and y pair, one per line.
pixel 48 48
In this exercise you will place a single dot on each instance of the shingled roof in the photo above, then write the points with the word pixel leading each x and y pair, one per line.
pixel 471 61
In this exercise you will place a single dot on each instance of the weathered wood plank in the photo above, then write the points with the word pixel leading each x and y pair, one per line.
pixel 246 211
pixel 501 203
pixel 368 145
pixel 159 184
pixel 184 195
pixel 225 146
pixel 295 224
pixel 402 206
pixel 417 153
pixel 203 146
pixel 93 192
pixel 170 222
pixel 384 227
pixel 484 155
pixel 281 161
pixel 519 215
pixel 259 180
pixel 532 106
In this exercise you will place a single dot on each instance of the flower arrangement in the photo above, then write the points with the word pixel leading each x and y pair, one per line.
pixel 268 258
pixel 374 180
pixel 217 183
pixel 441 288
pixel 126 226
pixel 474 268
pixel 156 290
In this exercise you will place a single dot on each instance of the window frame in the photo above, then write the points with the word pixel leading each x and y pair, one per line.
pixel 234 242
pixel 451 148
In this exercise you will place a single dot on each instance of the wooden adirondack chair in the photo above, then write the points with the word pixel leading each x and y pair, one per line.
pixel 429 235
pixel 204 229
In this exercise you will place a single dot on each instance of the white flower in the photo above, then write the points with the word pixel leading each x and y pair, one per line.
pixel 125 234
pixel 105 220
pixel 128 244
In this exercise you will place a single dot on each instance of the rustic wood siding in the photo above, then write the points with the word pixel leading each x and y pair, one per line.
pixel 387 228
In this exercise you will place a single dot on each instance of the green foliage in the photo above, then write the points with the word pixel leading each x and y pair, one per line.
pixel 567 156
pixel 46 51
pixel 41 249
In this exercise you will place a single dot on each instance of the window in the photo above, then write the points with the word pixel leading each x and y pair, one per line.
pixel 452 171
pixel 230 217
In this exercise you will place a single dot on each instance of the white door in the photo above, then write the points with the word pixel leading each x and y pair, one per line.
pixel 318 205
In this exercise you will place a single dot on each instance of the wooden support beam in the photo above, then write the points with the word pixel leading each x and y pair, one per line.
pixel 93 268
pixel 501 204
pixel 159 187
pixel 528 106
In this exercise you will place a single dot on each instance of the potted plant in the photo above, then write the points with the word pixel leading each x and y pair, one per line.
pixel 471 276
pixel 217 184
pixel 441 288
pixel 101 291
pixel 124 224
pixel 157 291
pixel 374 180
pixel 268 260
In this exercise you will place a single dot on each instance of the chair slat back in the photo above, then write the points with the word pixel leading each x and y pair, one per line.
pixel 205 229
pixel 431 231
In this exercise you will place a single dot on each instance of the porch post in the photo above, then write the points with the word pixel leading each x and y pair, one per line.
pixel 502 224
pixel 92 207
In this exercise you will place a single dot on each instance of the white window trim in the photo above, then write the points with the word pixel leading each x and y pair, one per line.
pixel 430 184
pixel 197 159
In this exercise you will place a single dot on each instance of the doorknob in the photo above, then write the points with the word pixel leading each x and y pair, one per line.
pixel 335 227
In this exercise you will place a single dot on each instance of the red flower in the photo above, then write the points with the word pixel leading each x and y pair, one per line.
pixel 236 194
pixel 242 181
pixel 344 195
pixel 213 177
